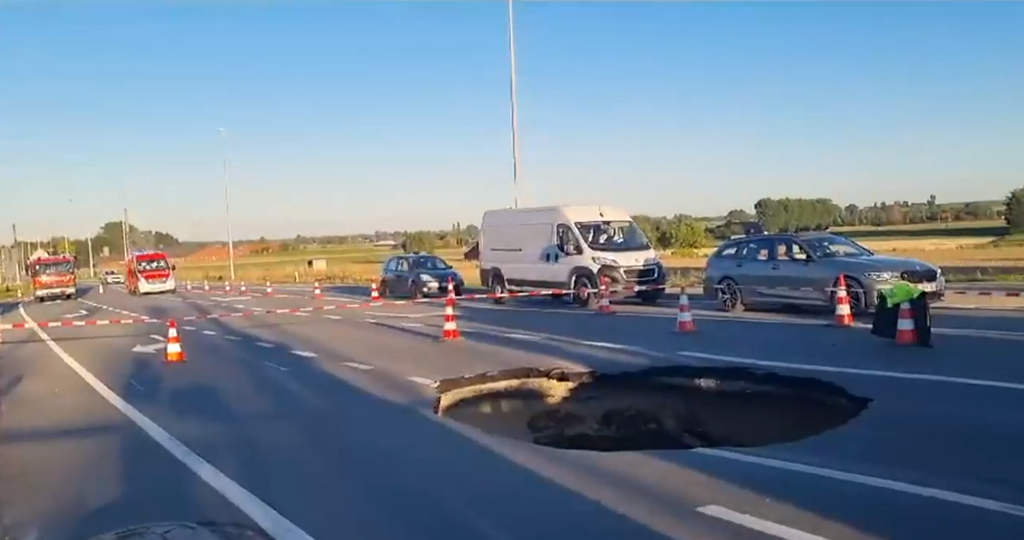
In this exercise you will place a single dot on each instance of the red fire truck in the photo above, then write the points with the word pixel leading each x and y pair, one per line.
pixel 53 276
pixel 149 272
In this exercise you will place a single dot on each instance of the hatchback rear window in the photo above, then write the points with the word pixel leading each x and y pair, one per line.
pixel 727 251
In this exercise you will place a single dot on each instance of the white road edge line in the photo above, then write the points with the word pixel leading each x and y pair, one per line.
pixel 893 485
pixel 276 525
pixel 855 371
pixel 757 524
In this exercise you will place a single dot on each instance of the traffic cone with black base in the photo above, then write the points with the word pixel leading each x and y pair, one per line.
pixel 450 331
pixel 173 353
pixel 905 332
pixel 843 315
pixel 684 319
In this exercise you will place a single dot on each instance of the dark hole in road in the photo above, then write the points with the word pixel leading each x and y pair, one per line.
pixel 661 408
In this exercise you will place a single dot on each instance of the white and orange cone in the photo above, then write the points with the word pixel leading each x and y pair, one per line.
pixel 316 290
pixel 206 285
pixel 684 319
pixel 188 285
pixel 101 288
pixel 242 288
pixel 450 330
pixel 843 315
pixel 173 353
pixel 270 290
pixel 906 333
pixel 604 304
pixel 227 286
pixel 375 292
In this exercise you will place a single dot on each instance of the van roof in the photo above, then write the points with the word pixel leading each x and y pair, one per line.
pixel 570 212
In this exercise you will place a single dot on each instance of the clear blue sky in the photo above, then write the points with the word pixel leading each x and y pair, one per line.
pixel 347 117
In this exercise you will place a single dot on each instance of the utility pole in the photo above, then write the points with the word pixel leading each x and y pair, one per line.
pixel 227 207
pixel 92 268
pixel 512 100
pixel 20 257
pixel 124 233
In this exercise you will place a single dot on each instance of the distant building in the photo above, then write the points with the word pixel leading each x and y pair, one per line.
pixel 385 243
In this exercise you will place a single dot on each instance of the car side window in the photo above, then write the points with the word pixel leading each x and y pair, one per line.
pixel 389 266
pixel 567 242
pixel 728 252
pixel 758 250
pixel 403 265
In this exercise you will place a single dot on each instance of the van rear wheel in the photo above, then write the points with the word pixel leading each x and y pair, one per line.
pixel 582 287
pixel 498 288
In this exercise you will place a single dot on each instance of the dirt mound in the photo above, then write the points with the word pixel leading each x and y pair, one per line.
pixel 219 252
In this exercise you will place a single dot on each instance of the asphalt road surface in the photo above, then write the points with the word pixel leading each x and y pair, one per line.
pixel 320 425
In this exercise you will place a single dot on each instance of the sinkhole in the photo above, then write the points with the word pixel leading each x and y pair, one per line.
pixel 660 408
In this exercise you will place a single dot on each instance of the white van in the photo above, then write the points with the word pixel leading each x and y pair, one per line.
pixel 566 247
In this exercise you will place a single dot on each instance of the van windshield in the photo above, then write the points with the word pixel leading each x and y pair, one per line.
pixel 150 265
pixel 613 236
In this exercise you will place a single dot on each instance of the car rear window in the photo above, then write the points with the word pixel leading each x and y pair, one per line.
pixel 728 251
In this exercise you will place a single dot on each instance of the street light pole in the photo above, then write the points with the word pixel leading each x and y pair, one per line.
pixel 227 207
pixel 512 100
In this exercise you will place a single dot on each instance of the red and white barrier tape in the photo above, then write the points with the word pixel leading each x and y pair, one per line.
pixel 353 305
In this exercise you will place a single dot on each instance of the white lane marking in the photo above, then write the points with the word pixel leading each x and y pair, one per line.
pixel 307 354
pixel 855 371
pixel 300 314
pixel 374 321
pixel 233 338
pixel 335 317
pixel 411 324
pixel 757 524
pixel 136 384
pixel 894 485
pixel 210 332
pixel 265 344
pixel 276 525
pixel 421 380
pixel 522 336
pixel 276 366
pixel 240 306
pixel 189 327
pixel 357 365
pixel 160 338
pixel 605 345
pixel 405 315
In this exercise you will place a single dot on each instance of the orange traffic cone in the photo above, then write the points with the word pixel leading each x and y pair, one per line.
pixel 101 287
pixel 316 290
pixel 684 319
pixel 906 334
pixel 206 286
pixel 270 291
pixel 227 286
pixel 188 285
pixel 450 330
pixel 375 293
pixel 242 288
pixel 843 315
pixel 604 305
pixel 173 353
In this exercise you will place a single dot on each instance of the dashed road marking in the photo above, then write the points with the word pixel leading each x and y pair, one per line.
pixel 335 317
pixel 757 524
pixel 884 483
pixel 306 354
pixel 158 337
pixel 276 366
pixel 189 327
pixel 276 525
pixel 210 332
pixel 411 324
pixel 522 336
pixel 265 344
pixel 233 338
pixel 357 365
pixel 421 380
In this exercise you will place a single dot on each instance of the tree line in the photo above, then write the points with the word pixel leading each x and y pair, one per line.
pixel 106 243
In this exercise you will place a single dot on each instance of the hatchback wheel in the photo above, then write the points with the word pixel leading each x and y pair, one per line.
pixel 731 296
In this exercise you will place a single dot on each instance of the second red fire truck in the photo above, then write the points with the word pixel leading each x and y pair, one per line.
pixel 149 272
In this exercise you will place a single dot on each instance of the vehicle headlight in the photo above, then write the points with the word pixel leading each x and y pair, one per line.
pixel 605 261
pixel 427 277
pixel 882 276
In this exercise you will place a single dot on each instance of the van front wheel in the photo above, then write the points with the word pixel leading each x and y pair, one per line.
pixel 582 287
